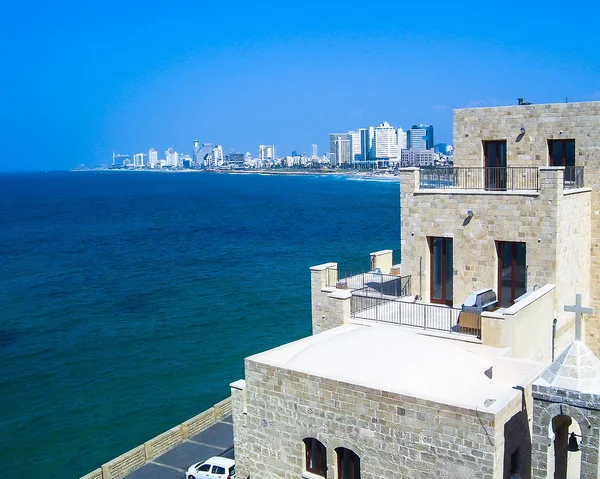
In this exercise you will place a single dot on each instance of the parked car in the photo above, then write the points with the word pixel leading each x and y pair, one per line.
pixel 215 467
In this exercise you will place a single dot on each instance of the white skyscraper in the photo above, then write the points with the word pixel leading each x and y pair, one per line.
pixel 386 142
pixel 138 159
pixel 266 152
pixel 313 151
pixel 152 158
pixel 355 146
pixel 171 158
pixel 217 155
pixel 402 139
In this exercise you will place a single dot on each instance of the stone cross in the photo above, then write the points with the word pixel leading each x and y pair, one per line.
pixel 578 309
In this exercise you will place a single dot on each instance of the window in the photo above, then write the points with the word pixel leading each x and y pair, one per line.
pixel 441 270
pixel 316 457
pixel 495 164
pixel 512 272
pixel 562 153
pixel 204 468
pixel 348 464
pixel 218 470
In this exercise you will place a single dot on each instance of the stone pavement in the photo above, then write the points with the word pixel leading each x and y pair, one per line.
pixel 217 440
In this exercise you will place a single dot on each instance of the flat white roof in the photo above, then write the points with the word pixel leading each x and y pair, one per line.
pixel 398 360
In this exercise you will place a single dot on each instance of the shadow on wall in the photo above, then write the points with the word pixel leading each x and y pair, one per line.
pixel 517 445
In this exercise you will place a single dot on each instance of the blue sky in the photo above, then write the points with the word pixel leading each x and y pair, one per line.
pixel 82 79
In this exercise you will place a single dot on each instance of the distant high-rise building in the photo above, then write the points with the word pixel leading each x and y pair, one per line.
pixel 332 147
pixel 217 155
pixel 138 159
pixel 171 158
pixel 367 139
pixel 342 150
pixel 420 137
pixel 386 142
pixel 313 151
pixel 152 158
pixel 266 152
pixel 355 146
pixel 401 136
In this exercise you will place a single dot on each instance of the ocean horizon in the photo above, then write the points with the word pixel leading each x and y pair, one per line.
pixel 130 300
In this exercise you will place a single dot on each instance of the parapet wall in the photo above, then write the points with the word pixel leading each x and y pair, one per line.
pixel 138 456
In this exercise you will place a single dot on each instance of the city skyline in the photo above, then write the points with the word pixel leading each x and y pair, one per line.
pixel 89 79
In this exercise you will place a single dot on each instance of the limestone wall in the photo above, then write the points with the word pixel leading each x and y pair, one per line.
pixel 578 121
pixel 497 216
pixel 583 408
pixel 554 224
pixel 330 306
pixel 394 435
pixel 525 327
pixel 128 462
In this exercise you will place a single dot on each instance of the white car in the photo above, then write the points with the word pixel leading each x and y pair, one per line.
pixel 215 467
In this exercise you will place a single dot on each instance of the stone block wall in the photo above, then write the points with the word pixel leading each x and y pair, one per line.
pixel 497 216
pixel 330 306
pixel 583 408
pixel 578 121
pixel 394 435
pixel 525 327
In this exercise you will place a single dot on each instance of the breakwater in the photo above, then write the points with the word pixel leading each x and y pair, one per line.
pixel 138 456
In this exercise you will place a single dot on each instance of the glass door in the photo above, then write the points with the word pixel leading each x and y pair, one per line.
pixel 512 272
pixel 495 164
pixel 441 270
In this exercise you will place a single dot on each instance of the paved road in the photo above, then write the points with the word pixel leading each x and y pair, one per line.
pixel 217 440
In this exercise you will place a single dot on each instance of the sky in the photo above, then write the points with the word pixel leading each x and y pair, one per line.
pixel 83 79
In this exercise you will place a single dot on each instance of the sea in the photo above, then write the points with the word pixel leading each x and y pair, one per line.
pixel 129 300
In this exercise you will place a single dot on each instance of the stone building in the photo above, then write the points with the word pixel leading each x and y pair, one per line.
pixel 465 360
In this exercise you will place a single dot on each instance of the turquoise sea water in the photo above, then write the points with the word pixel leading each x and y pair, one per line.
pixel 129 300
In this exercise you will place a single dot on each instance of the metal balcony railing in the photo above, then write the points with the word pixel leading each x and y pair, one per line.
pixel 573 177
pixel 388 310
pixel 477 178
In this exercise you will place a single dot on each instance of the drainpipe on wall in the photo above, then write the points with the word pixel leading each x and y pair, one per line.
pixel 420 277
pixel 553 337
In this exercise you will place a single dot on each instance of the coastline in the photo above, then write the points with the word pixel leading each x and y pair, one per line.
pixel 384 175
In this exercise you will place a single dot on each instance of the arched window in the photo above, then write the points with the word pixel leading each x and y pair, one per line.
pixel 348 464
pixel 316 456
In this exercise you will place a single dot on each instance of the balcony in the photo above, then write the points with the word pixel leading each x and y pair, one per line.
pixel 405 311
pixel 494 179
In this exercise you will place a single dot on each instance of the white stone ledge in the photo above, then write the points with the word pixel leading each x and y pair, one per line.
pixel 322 267
pixel 575 191
pixel 341 294
pixel 382 252
pixel 240 384
pixel 310 475
pixel 530 298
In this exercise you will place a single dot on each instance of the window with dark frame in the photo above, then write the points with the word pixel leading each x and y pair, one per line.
pixel 316 456
pixel 562 153
pixel 512 272
pixel 348 464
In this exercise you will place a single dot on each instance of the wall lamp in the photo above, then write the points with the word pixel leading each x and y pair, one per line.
pixel 470 214
pixel 522 130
